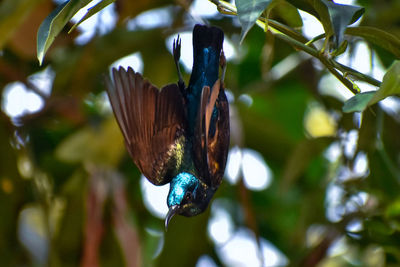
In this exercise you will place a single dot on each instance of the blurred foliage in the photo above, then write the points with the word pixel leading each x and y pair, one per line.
pixel 67 182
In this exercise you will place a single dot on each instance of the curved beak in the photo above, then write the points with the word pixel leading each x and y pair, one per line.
pixel 172 211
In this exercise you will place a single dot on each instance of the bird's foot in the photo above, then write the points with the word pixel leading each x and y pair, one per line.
pixel 176 50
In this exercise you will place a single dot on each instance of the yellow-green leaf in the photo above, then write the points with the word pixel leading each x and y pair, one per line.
pixel 377 36
pixel 390 84
pixel 54 23
pixel 92 11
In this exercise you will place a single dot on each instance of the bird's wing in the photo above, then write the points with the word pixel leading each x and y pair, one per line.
pixel 211 142
pixel 152 122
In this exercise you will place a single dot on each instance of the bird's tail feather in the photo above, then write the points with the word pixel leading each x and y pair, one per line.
pixel 207 45
pixel 206 36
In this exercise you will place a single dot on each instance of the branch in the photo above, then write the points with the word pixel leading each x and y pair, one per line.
pixel 300 42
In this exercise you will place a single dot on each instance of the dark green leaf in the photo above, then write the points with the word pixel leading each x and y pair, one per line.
pixel 339 17
pixel 305 5
pixel 358 102
pixel 92 11
pixel 378 227
pixel 324 17
pixel 248 12
pixel 288 13
pixel 377 36
pixel 54 23
pixel 340 50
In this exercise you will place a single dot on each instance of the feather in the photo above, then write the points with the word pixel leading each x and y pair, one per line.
pixel 152 121
pixel 211 151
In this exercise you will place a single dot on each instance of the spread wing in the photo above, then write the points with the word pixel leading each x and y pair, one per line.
pixel 212 135
pixel 152 122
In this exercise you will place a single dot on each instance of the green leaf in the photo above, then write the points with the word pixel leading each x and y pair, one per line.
pixel 288 13
pixel 54 23
pixel 358 102
pixel 378 228
pixel 339 16
pixel 341 49
pixel 324 17
pixel 393 210
pixel 248 12
pixel 305 5
pixel 92 11
pixel 12 14
pixel 390 84
pixel 377 36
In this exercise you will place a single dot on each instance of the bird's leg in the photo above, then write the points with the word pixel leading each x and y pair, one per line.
pixel 176 50
pixel 222 63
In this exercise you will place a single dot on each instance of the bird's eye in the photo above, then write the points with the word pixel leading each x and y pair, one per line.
pixel 188 196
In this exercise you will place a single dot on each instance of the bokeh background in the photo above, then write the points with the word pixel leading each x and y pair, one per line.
pixel 305 185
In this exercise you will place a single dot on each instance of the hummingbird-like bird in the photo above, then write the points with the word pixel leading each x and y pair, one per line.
pixel 178 134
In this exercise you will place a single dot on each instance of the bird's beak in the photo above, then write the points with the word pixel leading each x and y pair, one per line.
pixel 172 211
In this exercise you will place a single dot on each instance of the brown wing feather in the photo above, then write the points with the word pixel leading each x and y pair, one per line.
pixel 218 145
pixel 152 122
pixel 210 152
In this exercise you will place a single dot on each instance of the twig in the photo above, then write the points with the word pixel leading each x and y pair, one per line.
pixel 31 86
pixel 300 42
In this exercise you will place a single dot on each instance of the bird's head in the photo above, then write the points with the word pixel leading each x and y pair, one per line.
pixel 187 196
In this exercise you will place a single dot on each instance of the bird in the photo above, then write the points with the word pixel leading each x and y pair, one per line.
pixel 178 134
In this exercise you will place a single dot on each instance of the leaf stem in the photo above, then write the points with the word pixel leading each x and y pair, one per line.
pixel 316 38
pixel 354 73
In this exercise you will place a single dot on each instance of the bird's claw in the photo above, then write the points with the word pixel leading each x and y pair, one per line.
pixel 177 49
